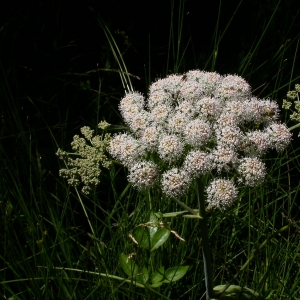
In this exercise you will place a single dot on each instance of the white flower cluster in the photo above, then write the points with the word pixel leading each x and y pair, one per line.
pixel 192 124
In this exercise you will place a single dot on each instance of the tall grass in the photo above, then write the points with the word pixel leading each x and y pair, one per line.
pixel 57 243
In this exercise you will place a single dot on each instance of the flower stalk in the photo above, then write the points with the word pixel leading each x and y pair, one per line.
pixel 204 235
pixel 205 241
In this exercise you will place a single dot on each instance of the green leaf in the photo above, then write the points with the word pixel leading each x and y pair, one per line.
pixel 158 215
pixel 192 217
pixel 159 238
pixel 153 229
pixel 174 274
pixel 158 275
pixel 179 214
pixel 141 235
pixel 128 265
pixel 234 292
pixel 145 275
pixel 174 214
pixel 157 284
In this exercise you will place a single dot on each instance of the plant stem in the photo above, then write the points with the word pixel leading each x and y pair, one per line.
pixel 193 212
pixel 205 242
pixel 130 280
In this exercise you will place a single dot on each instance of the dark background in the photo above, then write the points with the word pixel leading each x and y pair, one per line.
pixel 48 37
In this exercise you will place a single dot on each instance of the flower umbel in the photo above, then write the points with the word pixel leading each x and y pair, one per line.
pixel 143 174
pixel 90 153
pixel 252 171
pixel 175 182
pixel 192 124
pixel 221 193
pixel 195 123
pixel 288 105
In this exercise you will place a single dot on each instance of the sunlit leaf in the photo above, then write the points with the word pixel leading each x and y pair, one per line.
pixel 159 238
pixel 153 229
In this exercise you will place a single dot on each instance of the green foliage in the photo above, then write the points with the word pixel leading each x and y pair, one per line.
pixel 159 238
pixel 128 265
pixel 175 273
pixel 236 292
pixel 157 278
pixel 142 237
pixel 150 236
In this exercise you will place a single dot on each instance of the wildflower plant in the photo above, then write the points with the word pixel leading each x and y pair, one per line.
pixel 192 125
pixel 293 98
pixel 89 154
pixel 197 124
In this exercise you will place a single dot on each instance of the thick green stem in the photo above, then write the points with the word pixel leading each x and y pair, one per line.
pixel 205 242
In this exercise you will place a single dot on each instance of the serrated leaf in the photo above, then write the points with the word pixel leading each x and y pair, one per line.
pixel 141 235
pixel 159 238
pixel 153 229
pixel 158 275
pixel 174 274
pixel 128 265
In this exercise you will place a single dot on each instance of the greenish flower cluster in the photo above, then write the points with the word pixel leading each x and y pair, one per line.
pixel 90 155
pixel 293 98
